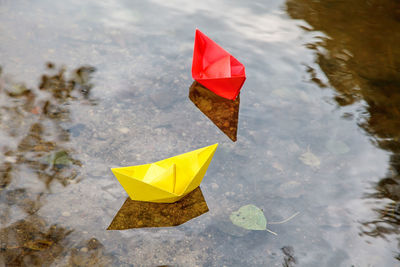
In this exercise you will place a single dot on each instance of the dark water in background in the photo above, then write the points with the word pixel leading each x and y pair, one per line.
pixel 318 130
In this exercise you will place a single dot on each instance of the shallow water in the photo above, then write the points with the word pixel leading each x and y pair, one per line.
pixel 318 131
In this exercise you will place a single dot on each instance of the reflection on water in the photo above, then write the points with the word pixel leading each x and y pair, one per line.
pixel 90 253
pixel 63 89
pixel 361 59
pixel 289 260
pixel 224 113
pixel 139 214
pixel 31 242
pixel 387 193
pixel 41 115
pixel 142 112
pixel 35 117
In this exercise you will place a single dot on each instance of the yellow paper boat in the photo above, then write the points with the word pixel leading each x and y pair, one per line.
pixel 168 180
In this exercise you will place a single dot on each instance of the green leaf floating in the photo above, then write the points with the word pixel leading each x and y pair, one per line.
pixel 249 217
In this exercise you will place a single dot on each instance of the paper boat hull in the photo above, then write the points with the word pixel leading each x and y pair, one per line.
pixel 139 190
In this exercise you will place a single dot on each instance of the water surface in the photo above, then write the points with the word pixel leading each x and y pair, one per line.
pixel 86 86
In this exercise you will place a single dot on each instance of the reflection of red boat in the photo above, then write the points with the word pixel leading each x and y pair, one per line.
pixel 224 113
pixel 215 68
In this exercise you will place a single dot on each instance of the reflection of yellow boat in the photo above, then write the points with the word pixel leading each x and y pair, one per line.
pixel 168 180
pixel 139 214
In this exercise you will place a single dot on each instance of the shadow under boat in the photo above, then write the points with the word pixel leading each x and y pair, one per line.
pixel 139 214
pixel 224 113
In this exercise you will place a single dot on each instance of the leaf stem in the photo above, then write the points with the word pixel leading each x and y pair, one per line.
pixel 271 231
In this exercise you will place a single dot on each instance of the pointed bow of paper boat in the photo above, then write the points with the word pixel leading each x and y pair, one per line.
pixel 168 180
pixel 215 68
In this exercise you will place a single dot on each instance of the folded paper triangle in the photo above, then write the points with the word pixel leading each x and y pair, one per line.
pixel 168 180
pixel 215 68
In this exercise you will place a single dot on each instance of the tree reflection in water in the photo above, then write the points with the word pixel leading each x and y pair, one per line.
pixel 361 59
pixel 40 114
pixel 35 144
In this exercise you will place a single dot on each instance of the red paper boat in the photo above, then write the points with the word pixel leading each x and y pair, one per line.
pixel 215 68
